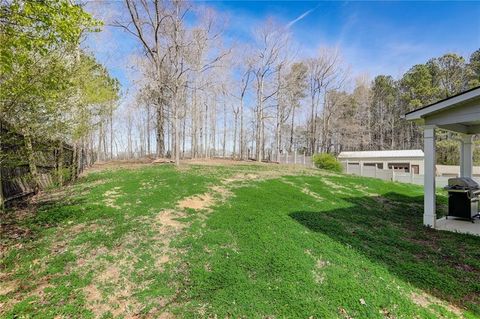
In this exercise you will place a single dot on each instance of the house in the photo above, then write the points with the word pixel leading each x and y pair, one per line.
pixel 461 114
pixel 403 160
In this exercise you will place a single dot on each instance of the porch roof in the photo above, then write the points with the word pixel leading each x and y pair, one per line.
pixel 459 113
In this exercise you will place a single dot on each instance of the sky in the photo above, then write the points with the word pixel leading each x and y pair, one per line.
pixel 374 37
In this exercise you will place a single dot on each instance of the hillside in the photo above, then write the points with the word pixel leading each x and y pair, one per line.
pixel 222 240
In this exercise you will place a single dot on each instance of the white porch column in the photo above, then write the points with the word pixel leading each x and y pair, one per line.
pixel 429 210
pixel 466 156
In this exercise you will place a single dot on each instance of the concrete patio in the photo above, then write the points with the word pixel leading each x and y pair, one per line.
pixel 458 226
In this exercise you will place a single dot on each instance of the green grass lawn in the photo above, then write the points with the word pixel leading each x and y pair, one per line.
pixel 250 241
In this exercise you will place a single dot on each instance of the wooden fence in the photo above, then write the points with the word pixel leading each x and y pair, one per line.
pixel 56 162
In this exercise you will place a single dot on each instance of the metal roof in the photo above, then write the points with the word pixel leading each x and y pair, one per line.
pixel 382 154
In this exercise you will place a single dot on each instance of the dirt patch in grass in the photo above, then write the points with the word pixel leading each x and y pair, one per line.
pixel 162 161
pixel 196 202
pixel 304 190
pixel 16 288
pixel 318 274
pixel 223 162
pixel 162 260
pixel 221 193
pixel 118 304
pixel 94 296
pixel 110 274
pixel 427 301
pixel 241 177
pixel 308 192
pixel 337 187
pixel 151 184
pixel 216 193
pixel 8 286
pixel 167 218
pixel 111 289
pixel 111 197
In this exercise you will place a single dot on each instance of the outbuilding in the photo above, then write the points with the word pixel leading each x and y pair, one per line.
pixel 403 160
pixel 460 114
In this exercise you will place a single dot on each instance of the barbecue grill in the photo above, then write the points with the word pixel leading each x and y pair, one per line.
pixel 463 198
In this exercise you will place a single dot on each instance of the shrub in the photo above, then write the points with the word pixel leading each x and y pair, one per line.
pixel 327 161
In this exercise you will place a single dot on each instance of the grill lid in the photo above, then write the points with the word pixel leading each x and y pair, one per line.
pixel 462 183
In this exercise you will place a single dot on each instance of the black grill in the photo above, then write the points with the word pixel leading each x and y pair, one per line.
pixel 463 197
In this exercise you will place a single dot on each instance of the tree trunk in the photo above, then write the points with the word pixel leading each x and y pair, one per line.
pixel 277 135
pixel 177 136
pixel 194 140
pixel 60 163
pixel 183 136
pixel 80 152
pixel 160 132
pixel 205 126
pixel 31 162
pixel 312 126
pixel 105 147
pixel 235 124
pixel 224 129
pixel 213 124
pixel 73 168
pixel 292 128
pixel 242 142
pixel 149 150
pixel 258 139
pixel 262 135
pixel 100 139
pixel 392 145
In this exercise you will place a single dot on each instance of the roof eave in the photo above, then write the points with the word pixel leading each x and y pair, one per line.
pixel 439 106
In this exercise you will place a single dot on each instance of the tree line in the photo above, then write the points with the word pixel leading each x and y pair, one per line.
pixel 51 89
pixel 200 96
pixel 199 92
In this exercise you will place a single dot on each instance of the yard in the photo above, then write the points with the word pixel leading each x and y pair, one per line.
pixel 251 241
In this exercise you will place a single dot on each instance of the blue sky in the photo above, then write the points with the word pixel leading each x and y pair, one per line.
pixel 374 37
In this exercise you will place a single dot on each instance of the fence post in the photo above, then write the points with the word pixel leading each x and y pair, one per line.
pixel 346 166
pixel 304 162
pixel 360 163
pixel 376 170
pixel 393 175
pixel 295 157
pixel 411 176
pixel 286 157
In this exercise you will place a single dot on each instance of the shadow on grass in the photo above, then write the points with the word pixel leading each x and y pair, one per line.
pixel 388 230
pixel 25 221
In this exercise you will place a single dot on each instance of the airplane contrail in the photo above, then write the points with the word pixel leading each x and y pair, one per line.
pixel 300 17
